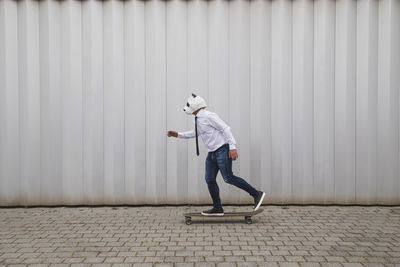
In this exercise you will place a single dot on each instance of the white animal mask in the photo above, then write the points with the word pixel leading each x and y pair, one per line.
pixel 194 103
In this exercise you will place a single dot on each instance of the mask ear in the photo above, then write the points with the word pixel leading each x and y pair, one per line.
pixel 194 95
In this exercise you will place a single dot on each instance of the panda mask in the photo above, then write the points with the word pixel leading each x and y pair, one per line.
pixel 194 103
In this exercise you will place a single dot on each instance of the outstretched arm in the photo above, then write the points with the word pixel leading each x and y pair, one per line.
pixel 184 135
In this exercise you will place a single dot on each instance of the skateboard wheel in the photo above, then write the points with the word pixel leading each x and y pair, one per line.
pixel 248 220
pixel 188 220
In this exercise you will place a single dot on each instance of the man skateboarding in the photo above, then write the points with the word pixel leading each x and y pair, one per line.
pixel 221 145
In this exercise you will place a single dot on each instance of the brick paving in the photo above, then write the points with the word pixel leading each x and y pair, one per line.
pixel 158 236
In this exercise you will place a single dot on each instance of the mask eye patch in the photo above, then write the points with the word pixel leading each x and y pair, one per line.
pixel 194 95
pixel 187 104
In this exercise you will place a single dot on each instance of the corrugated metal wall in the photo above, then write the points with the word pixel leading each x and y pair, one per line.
pixel 88 90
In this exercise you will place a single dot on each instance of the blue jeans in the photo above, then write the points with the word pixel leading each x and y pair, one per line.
pixel 219 160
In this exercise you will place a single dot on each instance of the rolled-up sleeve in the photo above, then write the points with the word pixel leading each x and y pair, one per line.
pixel 220 125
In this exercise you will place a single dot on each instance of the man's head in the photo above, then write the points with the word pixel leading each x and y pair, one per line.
pixel 194 103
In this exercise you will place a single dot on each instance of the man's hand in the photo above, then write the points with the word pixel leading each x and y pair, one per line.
pixel 172 133
pixel 233 154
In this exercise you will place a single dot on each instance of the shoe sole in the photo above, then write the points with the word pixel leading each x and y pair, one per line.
pixel 260 202
pixel 212 214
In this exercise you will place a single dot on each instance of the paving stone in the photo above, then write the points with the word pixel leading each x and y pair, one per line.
pixel 185 264
pixel 214 259
pixel 154 259
pixel 254 258
pixel 225 264
pixel 222 253
pixel 73 260
pixel 246 264
pixel 244 253
pixel 193 259
pixel 203 253
pixel 268 264
pixel 289 264
pixel 331 264
pixel 310 264
pixel 234 259
pixel 280 253
pixel 335 259
pixel 134 259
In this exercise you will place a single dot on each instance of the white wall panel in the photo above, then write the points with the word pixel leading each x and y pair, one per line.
pixel 93 102
pixel 366 101
pixel 345 93
pixel 135 102
pixel 72 116
pixel 88 90
pixel 155 38
pixel 388 101
pixel 281 100
pixel 9 104
pixel 324 98
pixel 302 122
pixel 29 101
pixel 51 183
pixel 114 105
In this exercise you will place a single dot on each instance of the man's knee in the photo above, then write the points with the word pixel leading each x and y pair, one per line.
pixel 228 178
pixel 211 181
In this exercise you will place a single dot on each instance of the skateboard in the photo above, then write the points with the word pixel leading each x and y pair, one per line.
pixel 247 216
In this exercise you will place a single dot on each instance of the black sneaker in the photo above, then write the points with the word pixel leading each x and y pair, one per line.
pixel 258 200
pixel 213 212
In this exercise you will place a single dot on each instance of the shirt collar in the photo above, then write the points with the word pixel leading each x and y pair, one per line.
pixel 201 113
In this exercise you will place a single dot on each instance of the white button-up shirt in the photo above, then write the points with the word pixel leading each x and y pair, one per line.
pixel 212 130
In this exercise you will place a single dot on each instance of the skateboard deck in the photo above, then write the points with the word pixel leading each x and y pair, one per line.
pixel 247 215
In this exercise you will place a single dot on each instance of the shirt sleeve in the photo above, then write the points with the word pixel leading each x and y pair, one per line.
pixel 186 135
pixel 220 125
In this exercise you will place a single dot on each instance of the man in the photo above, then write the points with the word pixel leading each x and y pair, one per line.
pixel 221 146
